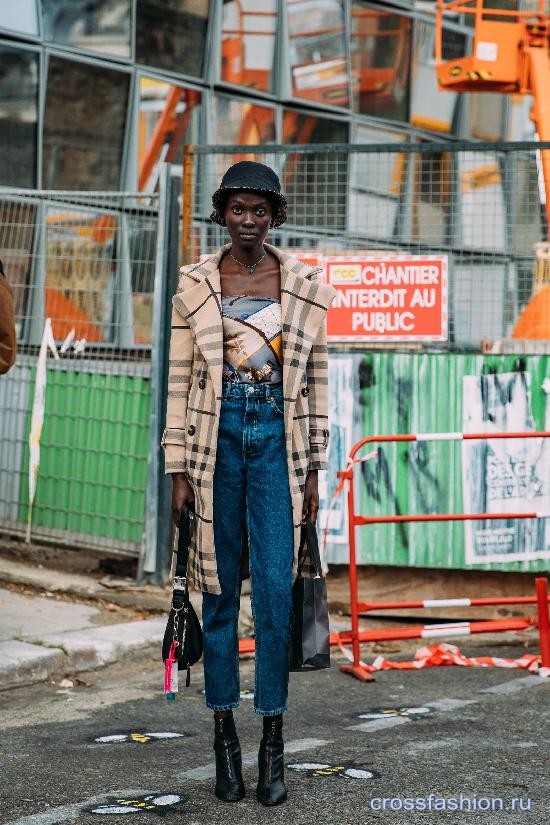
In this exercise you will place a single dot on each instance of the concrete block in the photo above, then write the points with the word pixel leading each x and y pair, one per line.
pixel 22 663
pixel 99 646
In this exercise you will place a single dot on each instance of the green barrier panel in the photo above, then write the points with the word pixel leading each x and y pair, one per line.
pixel 93 459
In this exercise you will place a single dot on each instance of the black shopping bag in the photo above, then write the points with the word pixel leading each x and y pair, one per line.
pixel 309 647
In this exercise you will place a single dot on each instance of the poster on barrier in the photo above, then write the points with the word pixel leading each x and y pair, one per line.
pixel 504 475
pixel 333 511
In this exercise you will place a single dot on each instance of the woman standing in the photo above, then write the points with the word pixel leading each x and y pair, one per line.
pixel 246 433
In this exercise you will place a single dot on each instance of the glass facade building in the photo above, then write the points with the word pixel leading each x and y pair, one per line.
pixel 87 86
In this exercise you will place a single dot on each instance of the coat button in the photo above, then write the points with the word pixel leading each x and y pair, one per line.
pixel 305 390
pixel 191 430
pixel 202 383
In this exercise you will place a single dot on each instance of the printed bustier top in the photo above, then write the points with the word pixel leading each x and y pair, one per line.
pixel 252 339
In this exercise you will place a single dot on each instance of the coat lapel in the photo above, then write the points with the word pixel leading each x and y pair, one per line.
pixel 201 307
pixel 304 304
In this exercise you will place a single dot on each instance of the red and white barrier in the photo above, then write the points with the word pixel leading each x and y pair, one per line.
pixel 358 668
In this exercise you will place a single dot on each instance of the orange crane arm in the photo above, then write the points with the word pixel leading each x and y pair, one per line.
pixel 539 69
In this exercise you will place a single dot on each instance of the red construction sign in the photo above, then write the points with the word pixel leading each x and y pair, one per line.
pixel 390 298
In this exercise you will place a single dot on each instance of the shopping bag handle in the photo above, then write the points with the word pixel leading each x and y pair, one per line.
pixel 309 538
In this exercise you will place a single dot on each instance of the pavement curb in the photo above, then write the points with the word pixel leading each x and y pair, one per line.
pixel 22 663
pixel 55 654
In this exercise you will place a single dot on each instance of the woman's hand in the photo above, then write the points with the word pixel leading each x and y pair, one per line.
pixel 182 493
pixel 311 498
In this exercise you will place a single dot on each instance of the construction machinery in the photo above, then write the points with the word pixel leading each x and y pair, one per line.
pixel 510 55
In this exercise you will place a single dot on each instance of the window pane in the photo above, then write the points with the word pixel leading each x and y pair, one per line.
pixel 380 58
pixel 432 192
pixel 318 54
pixel 17 224
pixel 376 185
pixel 309 203
pixel 248 42
pixel 486 116
pixel 99 25
pixel 171 34
pixel 18 116
pixel 478 301
pixel 80 254
pixel 19 15
pixel 168 118
pixel 235 122
pixel 299 127
pixel 481 194
pixel 524 202
pixel 142 242
pixel 84 121
pixel 431 108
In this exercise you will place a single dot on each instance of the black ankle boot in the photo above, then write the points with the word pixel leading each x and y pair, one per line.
pixel 229 780
pixel 271 787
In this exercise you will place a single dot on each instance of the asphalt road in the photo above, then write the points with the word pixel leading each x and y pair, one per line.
pixel 478 737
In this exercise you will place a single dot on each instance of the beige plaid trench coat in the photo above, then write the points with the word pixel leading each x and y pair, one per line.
pixel 195 387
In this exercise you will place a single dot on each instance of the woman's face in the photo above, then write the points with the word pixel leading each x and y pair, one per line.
pixel 248 218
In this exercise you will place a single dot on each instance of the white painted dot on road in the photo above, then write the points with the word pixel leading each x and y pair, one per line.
pixel 165 735
pixel 167 799
pixel 113 809
pixel 113 737
pixel 357 773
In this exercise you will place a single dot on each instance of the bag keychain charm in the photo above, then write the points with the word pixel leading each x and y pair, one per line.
pixel 171 664
pixel 171 674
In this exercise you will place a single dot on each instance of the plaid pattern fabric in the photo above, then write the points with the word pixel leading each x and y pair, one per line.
pixel 195 386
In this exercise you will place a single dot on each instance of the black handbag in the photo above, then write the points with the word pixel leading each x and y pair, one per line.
pixel 309 647
pixel 182 643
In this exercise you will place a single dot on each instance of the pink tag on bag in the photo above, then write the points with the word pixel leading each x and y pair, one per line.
pixel 171 673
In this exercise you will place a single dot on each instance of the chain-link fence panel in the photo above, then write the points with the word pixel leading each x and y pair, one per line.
pixel 479 208
pixel 74 465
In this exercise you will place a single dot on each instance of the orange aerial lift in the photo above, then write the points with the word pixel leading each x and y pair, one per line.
pixel 511 54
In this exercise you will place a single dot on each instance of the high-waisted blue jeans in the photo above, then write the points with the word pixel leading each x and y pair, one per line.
pixel 251 492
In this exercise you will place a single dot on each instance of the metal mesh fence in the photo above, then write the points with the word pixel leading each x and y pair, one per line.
pixel 482 207
pixel 86 261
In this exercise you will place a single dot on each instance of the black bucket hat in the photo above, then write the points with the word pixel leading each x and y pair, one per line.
pixel 249 175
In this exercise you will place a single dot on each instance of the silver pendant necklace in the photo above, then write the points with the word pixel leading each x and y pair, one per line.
pixel 251 267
